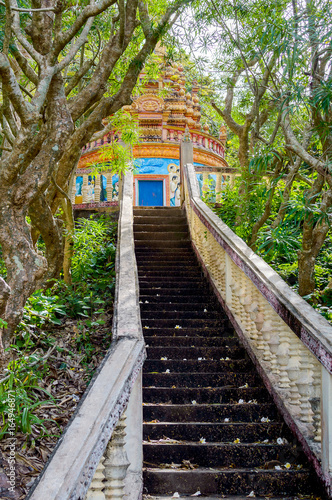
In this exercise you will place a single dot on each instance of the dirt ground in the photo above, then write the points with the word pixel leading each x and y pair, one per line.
pixel 67 378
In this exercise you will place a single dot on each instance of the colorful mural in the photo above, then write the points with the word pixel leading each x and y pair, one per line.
pixel 166 170
pixel 91 188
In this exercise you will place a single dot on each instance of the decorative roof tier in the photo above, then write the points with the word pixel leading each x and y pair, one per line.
pixel 164 110
pixel 166 114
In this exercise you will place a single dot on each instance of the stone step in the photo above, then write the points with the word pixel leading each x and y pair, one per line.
pixel 195 299
pixel 219 395
pixel 180 379
pixel 173 285
pixel 159 221
pixel 221 454
pixel 176 257
pixel 166 237
pixel 249 433
pixel 191 366
pixel 157 228
pixel 183 315
pixel 159 212
pixel 181 341
pixel 163 252
pixel 230 482
pixel 165 273
pixel 249 412
pixel 174 268
pixel 185 294
pixel 222 331
pixel 167 244
pixel 163 307
pixel 193 353
pixel 216 497
pixel 192 323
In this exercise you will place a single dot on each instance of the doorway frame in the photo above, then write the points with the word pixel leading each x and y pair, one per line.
pixel 164 178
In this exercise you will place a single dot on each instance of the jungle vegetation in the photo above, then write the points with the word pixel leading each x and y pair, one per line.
pixel 265 70
pixel 64 68
pixel 270 81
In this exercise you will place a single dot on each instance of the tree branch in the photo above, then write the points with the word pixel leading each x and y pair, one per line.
pixel 294 145
pixel 91 10
pixel 24 65
pixel 22 108
pixel 16 27
pixel 76 46
pixel 17 9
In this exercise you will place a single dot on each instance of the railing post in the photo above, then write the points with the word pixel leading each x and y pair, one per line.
pixel 95 491
pixel 326 416
pixel 109 186
pixel 228 280
pixel 97 188
pixel 85 188
pixel 73 191
pixel 116 463
pixel 134 439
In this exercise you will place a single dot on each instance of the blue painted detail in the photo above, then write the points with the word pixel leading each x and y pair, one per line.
pixel 79 184
pixel 150 193
pixel 155 166
pixel 103 193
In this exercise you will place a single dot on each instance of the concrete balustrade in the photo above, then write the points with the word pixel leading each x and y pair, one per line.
pixel 289 342
pixel 91 190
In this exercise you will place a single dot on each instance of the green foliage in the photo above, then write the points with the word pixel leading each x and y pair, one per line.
pixel 88 298
pixel 93 269
pixel 21 383
pixel 41 309
pixel 280 243
pixel 231 200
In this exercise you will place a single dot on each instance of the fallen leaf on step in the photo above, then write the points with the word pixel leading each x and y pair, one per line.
pixel 186 464
pixel 237 441
pixel 202 440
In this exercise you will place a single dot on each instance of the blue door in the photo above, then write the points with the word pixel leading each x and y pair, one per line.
pixel 150 193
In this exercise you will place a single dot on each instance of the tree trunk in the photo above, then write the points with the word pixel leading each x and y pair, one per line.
pixel 267 212
pixel 313 238
pixel 69 239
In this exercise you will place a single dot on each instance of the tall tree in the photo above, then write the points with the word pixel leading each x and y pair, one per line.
pixel 64 67
pixel 272 62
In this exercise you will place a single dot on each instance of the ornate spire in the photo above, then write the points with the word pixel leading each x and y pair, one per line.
pixel 186 136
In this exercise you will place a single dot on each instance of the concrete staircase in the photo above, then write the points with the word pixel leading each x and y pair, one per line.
pixel 210 427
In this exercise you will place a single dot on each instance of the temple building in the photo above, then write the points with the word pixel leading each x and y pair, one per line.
pixel 163 121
